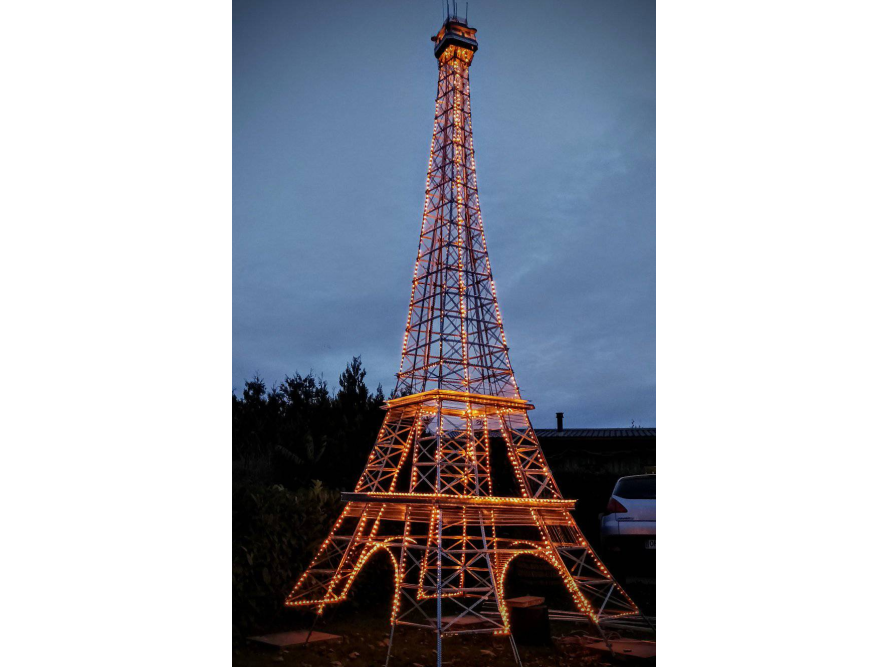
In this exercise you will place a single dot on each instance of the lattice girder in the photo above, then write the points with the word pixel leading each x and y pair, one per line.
pixel 454 338
pixel 427 494
pixel 474 560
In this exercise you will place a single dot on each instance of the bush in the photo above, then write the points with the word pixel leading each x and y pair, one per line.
pixel 275 533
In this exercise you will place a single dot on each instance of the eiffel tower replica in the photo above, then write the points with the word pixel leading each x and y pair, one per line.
pixel 427 497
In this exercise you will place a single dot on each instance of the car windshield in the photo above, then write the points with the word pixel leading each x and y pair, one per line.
pixel 642 487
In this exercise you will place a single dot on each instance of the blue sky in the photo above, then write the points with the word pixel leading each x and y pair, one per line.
pixel 332 117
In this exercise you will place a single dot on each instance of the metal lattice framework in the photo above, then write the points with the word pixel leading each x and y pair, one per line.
pixel 426 496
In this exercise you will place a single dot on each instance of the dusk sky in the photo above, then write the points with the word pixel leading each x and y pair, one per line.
pixel 332 117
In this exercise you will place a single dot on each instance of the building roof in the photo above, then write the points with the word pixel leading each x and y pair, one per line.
pixel 596 433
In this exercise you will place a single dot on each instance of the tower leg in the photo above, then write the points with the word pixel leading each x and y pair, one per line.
pixel 515 650
pixel 646 619
pixel 605 639
pixel 334 567
pixel 392 631
pixel 312 628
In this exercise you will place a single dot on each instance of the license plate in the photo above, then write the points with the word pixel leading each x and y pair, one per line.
pixel 650 544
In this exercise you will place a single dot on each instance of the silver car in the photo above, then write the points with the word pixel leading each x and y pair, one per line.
pixel 629 520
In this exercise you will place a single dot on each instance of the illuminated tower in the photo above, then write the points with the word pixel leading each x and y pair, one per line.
pixel 427 496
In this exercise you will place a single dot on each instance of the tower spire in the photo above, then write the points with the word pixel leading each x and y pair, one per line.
pixel 454 338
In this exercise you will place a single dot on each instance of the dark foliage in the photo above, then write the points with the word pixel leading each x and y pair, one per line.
pixel 294 447
pixel 274 533
pixel 287 439
pixel 297 432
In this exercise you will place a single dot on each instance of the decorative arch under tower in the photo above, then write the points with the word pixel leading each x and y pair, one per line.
pixel 427 494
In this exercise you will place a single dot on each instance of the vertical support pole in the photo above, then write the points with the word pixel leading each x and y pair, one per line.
pixel 392 630
pixel 606 600
pixel 603 634
pixel 439 429
pixel 439 592
pixel 515 649
pixel 403 557
pixel 646 619
pixel 492 570
pixel 312 628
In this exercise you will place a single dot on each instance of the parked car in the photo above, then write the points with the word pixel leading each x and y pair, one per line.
pixel 629 520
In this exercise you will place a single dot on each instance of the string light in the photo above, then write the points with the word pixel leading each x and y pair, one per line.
pixel 454 342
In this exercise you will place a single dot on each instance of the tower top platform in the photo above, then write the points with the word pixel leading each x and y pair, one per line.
pixel 455 31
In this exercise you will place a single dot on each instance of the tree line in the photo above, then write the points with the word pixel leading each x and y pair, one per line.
pixel 299 431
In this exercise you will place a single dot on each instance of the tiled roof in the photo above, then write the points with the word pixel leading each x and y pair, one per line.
pixel 597 433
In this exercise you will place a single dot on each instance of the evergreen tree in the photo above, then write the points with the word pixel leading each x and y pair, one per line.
pixel 298 432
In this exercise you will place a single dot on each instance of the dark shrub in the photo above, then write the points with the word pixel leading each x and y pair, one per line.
pixel 275 533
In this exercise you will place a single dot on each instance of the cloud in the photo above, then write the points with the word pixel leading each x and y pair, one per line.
pixel 331 129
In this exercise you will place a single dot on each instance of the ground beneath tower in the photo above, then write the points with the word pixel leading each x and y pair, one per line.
pixel 364 634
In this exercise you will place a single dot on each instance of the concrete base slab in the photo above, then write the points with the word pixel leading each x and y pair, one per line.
pixel 289 638
pixel 466 620
pixel 524 601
